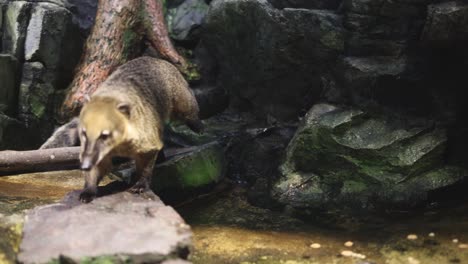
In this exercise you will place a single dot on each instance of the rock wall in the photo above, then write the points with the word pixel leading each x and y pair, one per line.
pixel 279 57
pixel 400 64
pixel 41 43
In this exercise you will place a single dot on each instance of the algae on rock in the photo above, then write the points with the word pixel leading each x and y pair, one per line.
pixel 350 158
pixel 201 166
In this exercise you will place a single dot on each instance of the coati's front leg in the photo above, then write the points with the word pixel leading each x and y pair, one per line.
pixel 92 179
pixel 144 171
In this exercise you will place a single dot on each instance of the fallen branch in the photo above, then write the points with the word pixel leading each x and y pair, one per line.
pixel 65 158
pixel 14 162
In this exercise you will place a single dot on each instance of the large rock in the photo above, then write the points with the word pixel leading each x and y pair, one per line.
pixel 35 101
pixel 446 24
pixel 371 35
pixel 1 21
pixel 9 75
pixel 83 11
pixel 385 81
pixel 54 40
pixel 15 23
pixel 382 28
pixel 347 158
pixel 183 19
pixel 35 92
pixel 271 60
pixel 254 158
pixel 114 227
pixel 384 8
pixel 310 4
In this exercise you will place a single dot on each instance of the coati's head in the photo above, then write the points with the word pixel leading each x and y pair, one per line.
pixel 103 126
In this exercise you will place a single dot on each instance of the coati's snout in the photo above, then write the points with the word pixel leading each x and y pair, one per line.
pixel 87 163
pixel 94 149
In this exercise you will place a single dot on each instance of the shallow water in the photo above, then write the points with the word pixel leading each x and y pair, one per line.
pixel 229 230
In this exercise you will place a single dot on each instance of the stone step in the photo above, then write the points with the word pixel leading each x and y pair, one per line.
pixel 121 226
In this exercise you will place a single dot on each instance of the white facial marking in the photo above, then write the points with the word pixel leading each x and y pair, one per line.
pixel 105 132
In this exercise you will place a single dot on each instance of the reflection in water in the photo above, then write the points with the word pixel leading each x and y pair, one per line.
pixel 228 230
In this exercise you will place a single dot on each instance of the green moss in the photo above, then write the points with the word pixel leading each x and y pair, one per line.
pixel 100 260
pixel 192 72
pixel 129 38
pixel 195 169
pixel 11 230
pixel 333 40
pixel 353 187
pixel 37 106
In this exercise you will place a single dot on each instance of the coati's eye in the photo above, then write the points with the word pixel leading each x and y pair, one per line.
pixel 105 134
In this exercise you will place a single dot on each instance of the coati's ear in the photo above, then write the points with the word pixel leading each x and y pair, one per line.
pixel 124 108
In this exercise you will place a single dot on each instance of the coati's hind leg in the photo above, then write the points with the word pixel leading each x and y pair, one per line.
pixel 186 109
pixel 144 171
pixel 92 179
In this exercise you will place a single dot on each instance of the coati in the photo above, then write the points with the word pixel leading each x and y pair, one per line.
pixel 125 117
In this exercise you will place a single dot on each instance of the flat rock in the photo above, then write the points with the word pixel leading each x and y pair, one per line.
pixel 137 228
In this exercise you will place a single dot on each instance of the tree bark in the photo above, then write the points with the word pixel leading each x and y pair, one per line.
pixel 116 37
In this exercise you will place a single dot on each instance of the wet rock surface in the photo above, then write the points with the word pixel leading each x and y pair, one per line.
pixel 346 158
pixel 123 225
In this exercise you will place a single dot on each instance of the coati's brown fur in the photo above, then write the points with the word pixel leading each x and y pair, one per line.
pixel 125 117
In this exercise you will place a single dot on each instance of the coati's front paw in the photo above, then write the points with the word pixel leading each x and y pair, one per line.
pixel 87 196
pixel 140 187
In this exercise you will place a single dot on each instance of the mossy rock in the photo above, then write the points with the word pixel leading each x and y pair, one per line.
pixel 11 230
pixel 199 167
pixel 352 158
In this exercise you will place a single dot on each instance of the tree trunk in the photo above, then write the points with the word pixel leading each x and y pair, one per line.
pixel 116 37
